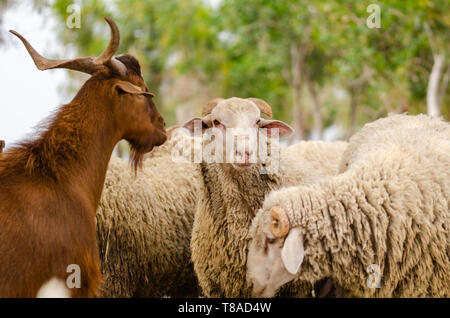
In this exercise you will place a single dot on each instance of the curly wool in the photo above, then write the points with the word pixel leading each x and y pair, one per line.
pixel 227 205
pixel 144 225
pixel 390 207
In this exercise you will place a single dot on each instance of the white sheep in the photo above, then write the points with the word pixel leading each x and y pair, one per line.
pixel 234 190
pixel 381 228
pixel 144 225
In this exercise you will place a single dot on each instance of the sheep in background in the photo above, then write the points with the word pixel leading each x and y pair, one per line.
pixel 379 229
pixel 232 193
pixel 144 225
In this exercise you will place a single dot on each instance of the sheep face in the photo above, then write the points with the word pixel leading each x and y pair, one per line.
pixel 234 132
pixel 272 261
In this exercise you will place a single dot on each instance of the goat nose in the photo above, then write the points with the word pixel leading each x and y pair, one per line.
pixel 162 121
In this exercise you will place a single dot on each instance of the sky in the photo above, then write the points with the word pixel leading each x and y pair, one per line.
pixel 28 95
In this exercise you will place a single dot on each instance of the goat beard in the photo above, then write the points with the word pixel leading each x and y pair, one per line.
pixel 137 151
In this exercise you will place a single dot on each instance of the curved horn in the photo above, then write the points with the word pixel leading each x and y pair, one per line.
pixel 107 57
pixel 263 106
pixel 88 64
pixel 210 105
pixel 280 222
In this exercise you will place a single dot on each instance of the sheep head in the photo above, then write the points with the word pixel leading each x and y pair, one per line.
pixel 238 128
pixel 275 252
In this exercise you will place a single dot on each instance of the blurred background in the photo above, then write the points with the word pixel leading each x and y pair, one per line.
pixel 325 67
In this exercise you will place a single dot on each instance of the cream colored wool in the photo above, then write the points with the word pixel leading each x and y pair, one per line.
pixel 227 205
pixel 144 225
pixel 390 207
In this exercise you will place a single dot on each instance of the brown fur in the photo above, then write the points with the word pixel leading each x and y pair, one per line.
pixel 50 187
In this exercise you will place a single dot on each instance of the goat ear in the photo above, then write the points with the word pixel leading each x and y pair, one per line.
pixel 200 123
pixel 127 87
pixel 284 130
pixel 293 253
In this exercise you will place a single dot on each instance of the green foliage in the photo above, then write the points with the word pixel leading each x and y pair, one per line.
pixel 243 48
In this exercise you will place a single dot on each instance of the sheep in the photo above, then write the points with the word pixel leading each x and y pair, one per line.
pixel 379 229
pixel 233 191
pixel 50 187
pixel 144 225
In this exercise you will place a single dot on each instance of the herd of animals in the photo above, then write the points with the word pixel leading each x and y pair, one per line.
pixel 331 215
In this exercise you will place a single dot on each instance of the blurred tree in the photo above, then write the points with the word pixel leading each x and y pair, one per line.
pixel 316 62
pixel 10 4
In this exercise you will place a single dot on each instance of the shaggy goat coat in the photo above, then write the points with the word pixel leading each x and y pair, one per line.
pixel 390 207
pixel 227 205
pixel 144 226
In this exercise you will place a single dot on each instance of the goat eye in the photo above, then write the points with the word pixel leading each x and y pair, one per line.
pixel 258 121
pixel 271 240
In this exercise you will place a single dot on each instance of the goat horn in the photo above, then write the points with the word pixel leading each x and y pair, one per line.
pixel 263 106
pixel 88 64
pixel 280 222
pixel 107 56
pixel 210 105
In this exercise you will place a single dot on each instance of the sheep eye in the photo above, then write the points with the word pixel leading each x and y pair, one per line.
pixel 217 123
pixel 268 241
pixel 271 240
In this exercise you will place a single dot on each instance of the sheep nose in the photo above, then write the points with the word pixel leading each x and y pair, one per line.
pixel 245 157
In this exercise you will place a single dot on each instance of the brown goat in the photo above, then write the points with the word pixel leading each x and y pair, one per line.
pixel 50 187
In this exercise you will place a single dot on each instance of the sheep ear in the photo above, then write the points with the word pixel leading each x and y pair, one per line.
pixel 293 253
pixel 197 124
pixel 284 130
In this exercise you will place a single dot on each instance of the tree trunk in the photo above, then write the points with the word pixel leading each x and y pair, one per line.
pixel 297 62
pixel 444 84
pixel 353 105
pixel 316 109
pixel 356 87
pixel 433 105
